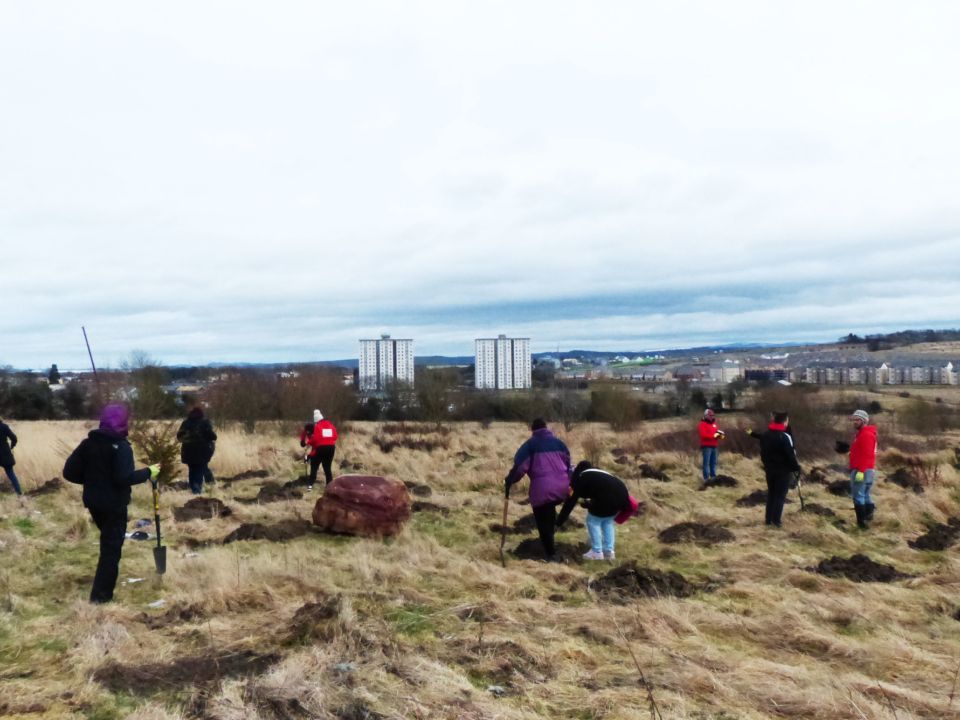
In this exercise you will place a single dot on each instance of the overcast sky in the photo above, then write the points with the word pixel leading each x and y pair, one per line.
pixel 241 181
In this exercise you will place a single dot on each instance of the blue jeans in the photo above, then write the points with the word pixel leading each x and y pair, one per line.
pixel 195 475
pixel 8 469
pixel 860 491
pixel 709 462
pixel 602 533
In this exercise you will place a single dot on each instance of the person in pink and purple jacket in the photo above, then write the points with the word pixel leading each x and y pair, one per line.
pixel 546 460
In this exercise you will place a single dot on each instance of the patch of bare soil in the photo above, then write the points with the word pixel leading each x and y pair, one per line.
pixel 356 710
pixel 528 524
pixel 906 479
pixel 173 616
pixel 816 474
pixel 271 492
pixel 201 508
pixel 938 537
pixel 815 509
pixel 50 486
pixel 859 568
pixel 245 475
pixel 757 497
pixel 31 709
pixel 301 482
pixel 315 621
pixel 281 531
pixel 649 471
pixel 195 670
pixel 418 489
pixel 531 549
pixel 699 533
pixel 630 581
pixel 424 506
pixel 840 488
pixel 719 481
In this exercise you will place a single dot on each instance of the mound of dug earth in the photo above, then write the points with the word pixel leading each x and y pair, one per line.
pixel 648 471
pixel 629 581
pixel 50 486
pixel 719 481
pixel 245 475
pixel 315 620
pixel 274 492
pixel 531 549
pixel 699 533
pixel 859 568
pixel 815 509
pixel 286 530
pixel 907 479
pixel 840 488
pixel 757 497
pixel 418 489
pixel 426 506
pixel 201 508
pixel 193 670
pixel 938 537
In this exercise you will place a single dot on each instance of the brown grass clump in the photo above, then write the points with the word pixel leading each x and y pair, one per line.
pixel 430 625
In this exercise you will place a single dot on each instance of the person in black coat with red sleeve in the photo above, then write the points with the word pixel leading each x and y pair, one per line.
pixel 607 501
pixel 779 458
pixel 103 464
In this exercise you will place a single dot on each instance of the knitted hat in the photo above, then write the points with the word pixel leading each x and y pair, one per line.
pixel 317 416
pixel 708 413
pixel 115 419
pixel 860 415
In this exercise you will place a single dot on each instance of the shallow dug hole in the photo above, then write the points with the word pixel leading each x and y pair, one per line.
pixel 201 508
pixel 194 670
pixel 756 498
pixel 938 537
pixel 531 549
pixel 699 533
pixel 859 568
pixel 719 481
pixel 629 581
pixel 273 492
pixel 286 530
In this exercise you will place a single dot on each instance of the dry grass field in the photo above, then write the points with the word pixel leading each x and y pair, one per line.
pixel 429 625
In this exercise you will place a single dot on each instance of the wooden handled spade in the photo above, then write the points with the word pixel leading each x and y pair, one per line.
pixel 159 552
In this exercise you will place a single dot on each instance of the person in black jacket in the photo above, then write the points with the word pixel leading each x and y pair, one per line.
pixel 8 441
pixel 197 440
pixel 103 464
pixel 779 458
pixel 607 500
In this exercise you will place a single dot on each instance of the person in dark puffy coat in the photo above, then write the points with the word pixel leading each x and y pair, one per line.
pixel 607 501
pixel 8 441
pixel 198 441
pixel 103 464
pixel 546 459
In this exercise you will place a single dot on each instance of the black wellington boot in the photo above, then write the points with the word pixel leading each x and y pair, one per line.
pixel 861 512
pixel 869 509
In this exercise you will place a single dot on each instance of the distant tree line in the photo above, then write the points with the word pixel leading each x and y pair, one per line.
pixel 899 339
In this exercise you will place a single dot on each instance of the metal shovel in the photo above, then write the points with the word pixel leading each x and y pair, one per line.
pixel 159 552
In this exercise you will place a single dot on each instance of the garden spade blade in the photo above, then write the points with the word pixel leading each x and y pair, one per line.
pixel 159 552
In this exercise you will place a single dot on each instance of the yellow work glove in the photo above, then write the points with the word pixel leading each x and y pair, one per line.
pixel 154 471
pixel 859 476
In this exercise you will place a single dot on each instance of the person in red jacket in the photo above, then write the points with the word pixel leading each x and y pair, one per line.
pixel 322 441
pixel 863 464
pixel 710 436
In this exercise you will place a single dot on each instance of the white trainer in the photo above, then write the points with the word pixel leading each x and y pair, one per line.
pixel 611 555
pixel 593 555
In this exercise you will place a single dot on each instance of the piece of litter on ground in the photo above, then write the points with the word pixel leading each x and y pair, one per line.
pixel 497 690
pixel 131 581
pixel 143 522
pixel 157 604
pixel 193 554
pixel 345 667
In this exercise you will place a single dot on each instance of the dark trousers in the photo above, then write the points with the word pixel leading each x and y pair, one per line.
pixel 777 488
pixel 323 456
pixel 195 475
pixel 13 479
pixel 112 524
pixel 546 517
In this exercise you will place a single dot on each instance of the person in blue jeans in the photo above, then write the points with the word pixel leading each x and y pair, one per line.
pixel 607 502
pixel 8 441
pixel 710 437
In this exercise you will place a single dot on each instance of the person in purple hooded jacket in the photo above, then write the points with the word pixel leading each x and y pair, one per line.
pixel 546 460
pixel 103 464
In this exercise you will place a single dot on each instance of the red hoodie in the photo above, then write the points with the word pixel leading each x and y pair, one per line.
pixel 708 433
pixel 324 433
pixel 863 451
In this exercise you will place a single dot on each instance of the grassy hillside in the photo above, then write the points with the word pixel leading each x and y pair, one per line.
pixel 429 625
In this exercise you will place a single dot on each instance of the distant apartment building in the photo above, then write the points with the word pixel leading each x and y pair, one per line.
pixel 384 361
pixel 725 372
pixel 502 363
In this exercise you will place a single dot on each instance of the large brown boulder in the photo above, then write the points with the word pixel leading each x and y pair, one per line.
pixel 367 505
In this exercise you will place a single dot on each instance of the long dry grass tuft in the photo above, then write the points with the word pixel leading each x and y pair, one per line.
pixel 429 625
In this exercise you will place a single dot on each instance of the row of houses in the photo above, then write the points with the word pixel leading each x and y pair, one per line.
pixel 883 375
